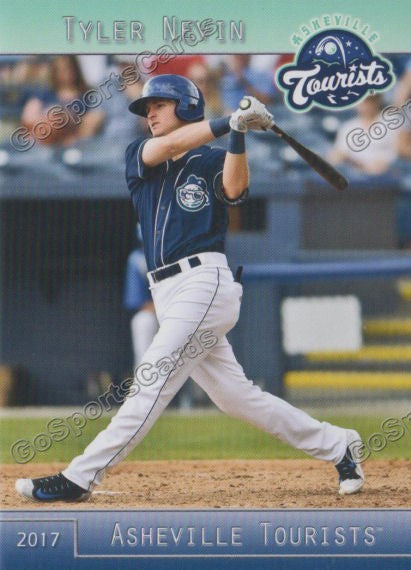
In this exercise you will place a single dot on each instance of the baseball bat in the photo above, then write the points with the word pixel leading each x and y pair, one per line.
pixel 321 166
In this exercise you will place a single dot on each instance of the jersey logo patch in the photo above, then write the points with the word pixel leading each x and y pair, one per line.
pixel 192 195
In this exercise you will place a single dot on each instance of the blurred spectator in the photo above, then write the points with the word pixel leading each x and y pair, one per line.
pixel 178 65
pixel 403 97
pixel 403 90
pixel 31 73
pixel 264 62
pixel 94 67
pixel 119 124
pixel 206 81
pixel 379 155
pixel 399 62
pixel 67 85
pixel 240 79
pixel 20 77
pixel 23 70
pixel 215 62
pixel 10 97
pixel 282 60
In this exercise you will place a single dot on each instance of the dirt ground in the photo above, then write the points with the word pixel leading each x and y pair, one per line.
pixel 222 484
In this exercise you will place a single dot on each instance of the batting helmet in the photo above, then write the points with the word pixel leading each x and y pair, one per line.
pixel 190 101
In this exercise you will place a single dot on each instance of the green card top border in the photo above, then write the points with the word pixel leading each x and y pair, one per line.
pixel 134 26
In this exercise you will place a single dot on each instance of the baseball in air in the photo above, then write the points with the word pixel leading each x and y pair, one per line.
pixel 330 48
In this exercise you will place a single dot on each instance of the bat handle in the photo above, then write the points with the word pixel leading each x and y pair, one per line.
pixel 276 129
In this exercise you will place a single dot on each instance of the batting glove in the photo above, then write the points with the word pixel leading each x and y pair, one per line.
pixel 261 123
pixel 266 121
pixel 252 114
pixel 238 122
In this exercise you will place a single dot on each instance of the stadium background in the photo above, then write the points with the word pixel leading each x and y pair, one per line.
pixel 67 227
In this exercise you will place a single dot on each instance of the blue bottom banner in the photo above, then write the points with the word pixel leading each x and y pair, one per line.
pixel 98 539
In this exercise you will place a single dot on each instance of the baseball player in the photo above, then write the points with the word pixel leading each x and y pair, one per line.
pixel 144 324
pixel 181 188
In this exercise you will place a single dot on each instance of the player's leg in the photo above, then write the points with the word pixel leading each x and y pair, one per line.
pixel 222 377
pixel 186 311
pixel 193 313
pixel 149 395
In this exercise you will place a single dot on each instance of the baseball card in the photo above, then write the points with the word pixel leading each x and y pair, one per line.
pixel 205 284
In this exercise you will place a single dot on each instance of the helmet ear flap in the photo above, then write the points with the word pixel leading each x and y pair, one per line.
pixel 190 107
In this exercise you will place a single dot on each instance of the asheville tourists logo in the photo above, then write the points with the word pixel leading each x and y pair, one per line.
pixel 334 69
pixel 192 195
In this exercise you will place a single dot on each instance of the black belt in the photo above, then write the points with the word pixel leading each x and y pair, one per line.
pixel 173 269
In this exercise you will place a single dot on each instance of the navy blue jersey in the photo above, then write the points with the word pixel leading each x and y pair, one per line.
pixel 181 205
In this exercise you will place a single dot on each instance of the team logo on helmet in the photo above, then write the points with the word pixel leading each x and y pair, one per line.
pixel 334 69
pixel 192 196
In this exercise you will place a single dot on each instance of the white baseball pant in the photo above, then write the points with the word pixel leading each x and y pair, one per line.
pixel 196 309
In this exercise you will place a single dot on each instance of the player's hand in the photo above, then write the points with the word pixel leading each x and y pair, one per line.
pixel 251 114
pixel 238 122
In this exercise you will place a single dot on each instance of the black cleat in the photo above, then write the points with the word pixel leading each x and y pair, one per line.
pixel 352 476
pixel 53 488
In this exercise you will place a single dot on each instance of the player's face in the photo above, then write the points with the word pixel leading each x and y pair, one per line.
pixel 161 116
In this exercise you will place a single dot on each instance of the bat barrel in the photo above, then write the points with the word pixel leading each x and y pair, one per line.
pixel 321 166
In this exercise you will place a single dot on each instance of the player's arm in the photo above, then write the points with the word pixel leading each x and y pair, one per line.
pixel 159 149
pixel 183 139
pixel 235 171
